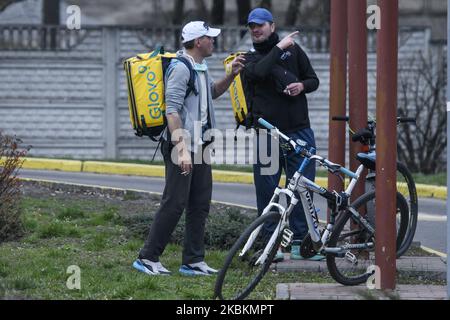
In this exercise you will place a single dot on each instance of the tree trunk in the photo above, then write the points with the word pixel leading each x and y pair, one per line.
pixel 50 16
pixel 202 12
pixel 244 7
pixel 178 12
pixel 326 13
pixel 266 4
pixel 50 10
pixel 291 13
pixel 218 12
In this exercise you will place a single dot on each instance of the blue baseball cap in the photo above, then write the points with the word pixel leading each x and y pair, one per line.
pixel 259 16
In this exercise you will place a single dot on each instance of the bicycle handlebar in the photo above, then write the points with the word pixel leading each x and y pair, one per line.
pixel 406 120
pixel 266 124
pixel 301 148
pixel 399 119
pixel 341 118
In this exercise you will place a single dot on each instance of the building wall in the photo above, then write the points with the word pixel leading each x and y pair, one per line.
pixel 429 13
pixel 72 102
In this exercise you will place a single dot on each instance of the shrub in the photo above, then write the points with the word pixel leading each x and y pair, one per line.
pixel 71 213
pixel 222 227
pixel 11 160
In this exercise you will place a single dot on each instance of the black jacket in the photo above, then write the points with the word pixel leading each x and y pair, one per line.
pixel 265 76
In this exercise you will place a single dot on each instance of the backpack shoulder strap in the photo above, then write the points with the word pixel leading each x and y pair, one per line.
pixel 191 83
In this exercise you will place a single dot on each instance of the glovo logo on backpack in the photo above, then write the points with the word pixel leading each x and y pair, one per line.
pixel 145 83
pixel 153 89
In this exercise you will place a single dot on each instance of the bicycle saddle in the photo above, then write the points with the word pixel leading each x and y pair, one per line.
pixel 367 159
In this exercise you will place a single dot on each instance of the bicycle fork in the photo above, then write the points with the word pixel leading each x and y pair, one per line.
pixel 287 234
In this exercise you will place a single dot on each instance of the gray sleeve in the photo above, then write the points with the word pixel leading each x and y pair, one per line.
pixel 175 87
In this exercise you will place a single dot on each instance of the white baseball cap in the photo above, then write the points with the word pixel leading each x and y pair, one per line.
pixel 198 29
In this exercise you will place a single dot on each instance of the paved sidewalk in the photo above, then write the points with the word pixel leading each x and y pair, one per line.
pixel 429 267
pixel 426 267
pixel 334 291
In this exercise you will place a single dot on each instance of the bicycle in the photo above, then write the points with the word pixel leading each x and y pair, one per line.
pixel 347 240
pixel 405 181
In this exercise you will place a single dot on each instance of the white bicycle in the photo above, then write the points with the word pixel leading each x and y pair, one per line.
pixel 348 240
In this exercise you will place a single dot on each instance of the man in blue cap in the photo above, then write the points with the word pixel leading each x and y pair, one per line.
pixel 277 76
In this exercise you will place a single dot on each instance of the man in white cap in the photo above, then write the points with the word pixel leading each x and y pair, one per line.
pixel 188 183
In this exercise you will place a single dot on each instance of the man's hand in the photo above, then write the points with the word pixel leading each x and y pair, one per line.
pixel 294 89
pixel 237 64
pixel 287 41
pixel 184 161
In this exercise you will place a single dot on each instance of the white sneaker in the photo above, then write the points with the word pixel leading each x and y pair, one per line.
pixel 197 269
pixel 150 267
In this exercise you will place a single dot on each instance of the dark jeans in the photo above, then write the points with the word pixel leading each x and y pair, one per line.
pixel 266 184
pixel 191 192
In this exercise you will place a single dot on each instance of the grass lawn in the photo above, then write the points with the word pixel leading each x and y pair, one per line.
pixel 93 236
pixel 95 233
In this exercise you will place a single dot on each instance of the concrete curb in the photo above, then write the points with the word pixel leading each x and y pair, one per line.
pixel 428 191
pixel 53 164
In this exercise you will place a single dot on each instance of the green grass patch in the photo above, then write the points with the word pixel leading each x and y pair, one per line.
pixel 57 229
pixel 102 238
pixel 71 213
pixel 439 179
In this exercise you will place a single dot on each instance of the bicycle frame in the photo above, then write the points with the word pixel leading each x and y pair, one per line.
pixel 302 186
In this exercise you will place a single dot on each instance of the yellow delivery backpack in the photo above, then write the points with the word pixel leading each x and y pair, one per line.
pixel 237 95
pixel 145 82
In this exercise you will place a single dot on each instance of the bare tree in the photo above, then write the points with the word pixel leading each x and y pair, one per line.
pixel 326 13
pixel 266 4
pixel 50 10
pixel 178 12
pixel 202 11
pixel 422 96
pixel 50 16
pixel 218 12
pixel 244 7
pixel 292 12
pixel 12 155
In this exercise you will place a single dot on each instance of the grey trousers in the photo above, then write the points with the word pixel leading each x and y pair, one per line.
pixel 191 193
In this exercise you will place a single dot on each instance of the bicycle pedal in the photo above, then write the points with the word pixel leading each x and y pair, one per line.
pixel 288 235
pixel 351 258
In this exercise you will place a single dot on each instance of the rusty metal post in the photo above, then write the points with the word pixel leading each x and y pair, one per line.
pixel 387 63
pixel 448 149
pixel 357 79
pixel 338 88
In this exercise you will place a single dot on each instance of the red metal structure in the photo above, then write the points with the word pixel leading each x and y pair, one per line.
pixel 338 87
pixel 387 62
pixel 357 75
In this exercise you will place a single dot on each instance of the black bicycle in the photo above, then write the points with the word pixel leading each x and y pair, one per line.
pixel 405 181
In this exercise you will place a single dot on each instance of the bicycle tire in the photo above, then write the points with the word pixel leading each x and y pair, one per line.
pixel 228 267
pixel 407 187
pixel 412 201
pixel 359 275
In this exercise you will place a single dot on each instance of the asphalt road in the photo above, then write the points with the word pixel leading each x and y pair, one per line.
pixel 431 229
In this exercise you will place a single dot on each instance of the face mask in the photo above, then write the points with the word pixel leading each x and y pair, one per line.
pixel 200 67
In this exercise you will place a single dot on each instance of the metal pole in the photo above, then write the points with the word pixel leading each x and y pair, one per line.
pixel 448 148
pixel 387 63
pixel 357 75
pixel 338 87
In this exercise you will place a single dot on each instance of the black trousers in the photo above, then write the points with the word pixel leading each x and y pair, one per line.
pixel 191 193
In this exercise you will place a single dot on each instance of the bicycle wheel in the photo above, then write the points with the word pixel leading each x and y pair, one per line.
pixel 239 274
pixel 350 266
pixel 407 187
